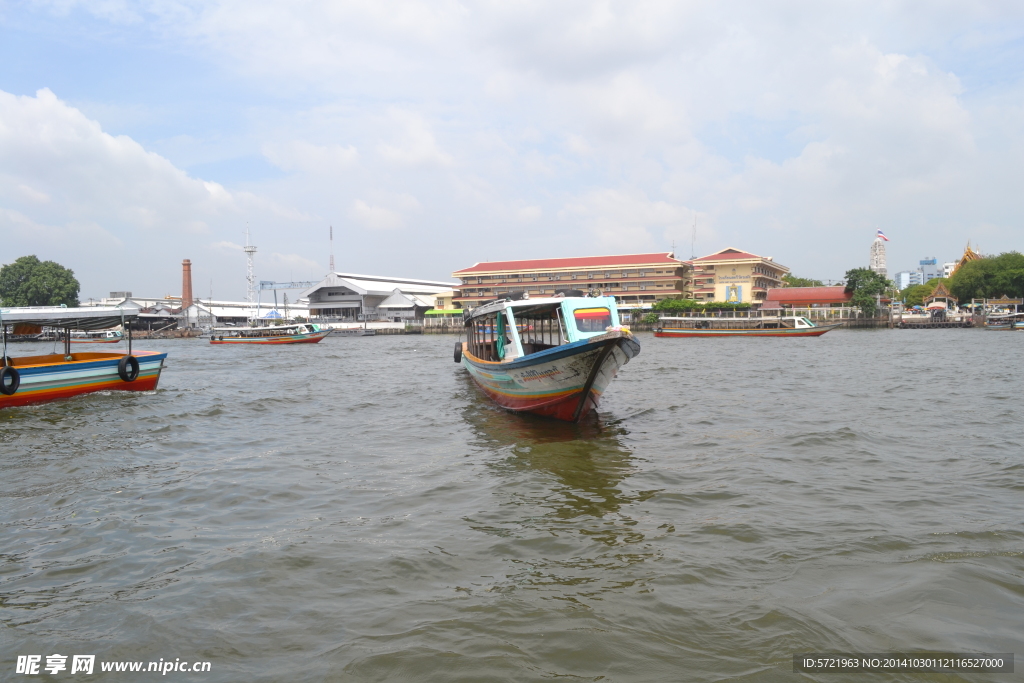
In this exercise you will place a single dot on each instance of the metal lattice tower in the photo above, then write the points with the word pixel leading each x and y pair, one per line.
pixel 250 276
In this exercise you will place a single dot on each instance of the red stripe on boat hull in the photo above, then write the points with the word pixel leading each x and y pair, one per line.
pixel 270 340
pixel 147 383
pixel 742 333
pixel 560 408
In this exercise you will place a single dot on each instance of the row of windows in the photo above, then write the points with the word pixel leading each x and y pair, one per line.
pixel 515 277
pixel 481 291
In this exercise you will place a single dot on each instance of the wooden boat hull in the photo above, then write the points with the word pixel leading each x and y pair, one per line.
pixel 95 341
pixel 311 338
pixel 48 378
pixel 775 332
pixel 565 382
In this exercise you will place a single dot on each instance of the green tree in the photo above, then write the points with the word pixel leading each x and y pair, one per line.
pixel 791 281
pixel 31 282
pixel 989 278
pixel 685 305
pixel 914 295
pixel 866 286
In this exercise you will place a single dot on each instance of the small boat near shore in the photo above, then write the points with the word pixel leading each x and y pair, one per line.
pixel 1005 321
pixel 97 337
pixel 553 357
pixel 301 333
pixel 767 326
pixel 38 379
pixel 354 332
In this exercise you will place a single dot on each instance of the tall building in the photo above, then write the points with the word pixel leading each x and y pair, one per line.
pixel 929 268
pixel 635 280
pixel 902 279
pixel 735 276
pixel 877 257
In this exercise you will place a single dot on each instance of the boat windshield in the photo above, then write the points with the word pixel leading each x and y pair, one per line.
pixel 592 319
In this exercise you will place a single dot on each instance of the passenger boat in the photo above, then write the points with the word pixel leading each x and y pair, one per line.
pixel 1008 321
pixel 37 379
pixel 302 333
pixel 97 337
pixel 767 326
pixel 553 356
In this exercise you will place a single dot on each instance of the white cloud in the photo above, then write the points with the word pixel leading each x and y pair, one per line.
pixel 376 217
pixel 791 127
pixel 92 175
pixel 96 199
pixel 310 158
pixel 624 220
pixel 414 143
pixel 33 195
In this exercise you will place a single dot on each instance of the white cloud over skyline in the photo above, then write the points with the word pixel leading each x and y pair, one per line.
pixel 435 135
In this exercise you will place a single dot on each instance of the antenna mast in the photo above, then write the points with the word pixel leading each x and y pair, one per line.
pixel 332 248
pixel 250 277
pixel 693 239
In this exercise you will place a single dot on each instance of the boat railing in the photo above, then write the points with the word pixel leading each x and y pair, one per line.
pixel 813 313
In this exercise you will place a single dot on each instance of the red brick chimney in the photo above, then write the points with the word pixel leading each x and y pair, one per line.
pixel 186 284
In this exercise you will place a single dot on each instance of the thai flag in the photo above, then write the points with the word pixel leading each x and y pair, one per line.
pixel 882 235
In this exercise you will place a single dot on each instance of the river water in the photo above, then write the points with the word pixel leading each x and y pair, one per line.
pixel 356 511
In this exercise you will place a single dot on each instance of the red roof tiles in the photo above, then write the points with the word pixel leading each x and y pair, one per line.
pixel 620 261
pixel 809 295
pixel 727 255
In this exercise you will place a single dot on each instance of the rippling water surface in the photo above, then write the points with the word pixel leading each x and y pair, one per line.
pixel 356 510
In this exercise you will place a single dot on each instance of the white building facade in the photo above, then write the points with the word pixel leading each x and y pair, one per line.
pixel 349 297
pixel 876 260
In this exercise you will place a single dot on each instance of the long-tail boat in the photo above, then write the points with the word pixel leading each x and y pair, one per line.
pixel 97 337
pixel 36 379
pixel 768 326
pixel 552 356
pixel 302 333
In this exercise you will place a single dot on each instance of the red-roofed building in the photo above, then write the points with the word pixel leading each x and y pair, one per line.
pixel 635 280
pixel 734 276
pixel 805 297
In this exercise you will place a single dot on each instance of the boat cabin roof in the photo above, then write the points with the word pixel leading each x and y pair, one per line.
pixel 527 306
pixel 85 318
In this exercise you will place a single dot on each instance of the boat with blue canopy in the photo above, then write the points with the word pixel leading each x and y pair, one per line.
pixel 553 356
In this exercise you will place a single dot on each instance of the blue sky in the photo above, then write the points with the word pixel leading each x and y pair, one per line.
pixel 434 135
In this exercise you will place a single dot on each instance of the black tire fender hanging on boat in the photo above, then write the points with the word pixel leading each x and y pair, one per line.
pixel 10 380
pixel 128 368
pixel 458 352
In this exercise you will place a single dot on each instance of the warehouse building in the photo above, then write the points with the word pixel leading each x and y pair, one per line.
pixel 348 297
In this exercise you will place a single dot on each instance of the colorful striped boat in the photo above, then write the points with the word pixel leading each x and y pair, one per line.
pixel 304 333
pixel 37 379
pixel 553 357
pixel 773 326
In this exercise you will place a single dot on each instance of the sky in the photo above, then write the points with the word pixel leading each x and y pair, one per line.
pixel 433 135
